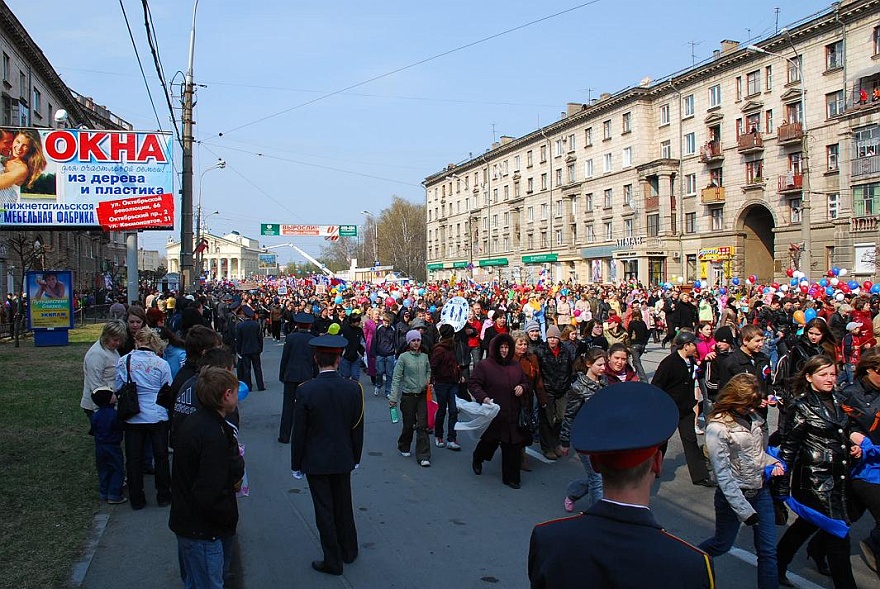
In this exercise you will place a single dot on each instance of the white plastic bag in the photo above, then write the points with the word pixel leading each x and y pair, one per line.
pixel 474 417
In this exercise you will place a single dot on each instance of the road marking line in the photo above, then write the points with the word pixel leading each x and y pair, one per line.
pixel 748 557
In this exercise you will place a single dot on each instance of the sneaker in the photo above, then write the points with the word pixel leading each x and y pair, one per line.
pixel 568 504
pixel 406 454
pixel 440 443
pixel 425 462
pixel 376 391
pixel 699 431
pixel 453 445
pixel 119 501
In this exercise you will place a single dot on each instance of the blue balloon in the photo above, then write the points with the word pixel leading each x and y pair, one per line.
pixel 698 284
pixel 338 299
pixel 735 281
pixel 829 291
pixel 823 283
pixel 852 284
pixel 407 303
pixel 836 271
pixel 243 391
pixel 432 309
pixel 722 290
pixel 875 289
pixel 809 314
pixel 373 297
pixel 793 282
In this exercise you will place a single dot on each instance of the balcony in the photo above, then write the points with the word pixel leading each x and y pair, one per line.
pixel 750 143
pixel 866 166
pixel 711 152
pixel 790 133
pixel 712 195
pixel 790 183
pixel 864 224
pixel 652 203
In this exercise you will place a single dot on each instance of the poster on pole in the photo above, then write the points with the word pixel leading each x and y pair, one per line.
pixel 267 261
pixel 85 179
pixel 50 301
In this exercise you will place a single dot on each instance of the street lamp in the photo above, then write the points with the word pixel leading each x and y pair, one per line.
pixel 805 150
pixel 221 164
pixel 375 235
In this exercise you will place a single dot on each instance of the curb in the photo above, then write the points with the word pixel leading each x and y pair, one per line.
pixel 81 568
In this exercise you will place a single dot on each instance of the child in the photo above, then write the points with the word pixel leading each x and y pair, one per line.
pixel 409 387
pixel 850 353
pixel 108 446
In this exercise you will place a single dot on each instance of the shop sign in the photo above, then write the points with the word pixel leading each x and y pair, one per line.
pixel 540 258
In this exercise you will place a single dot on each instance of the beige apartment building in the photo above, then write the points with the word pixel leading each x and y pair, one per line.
pixel 761 159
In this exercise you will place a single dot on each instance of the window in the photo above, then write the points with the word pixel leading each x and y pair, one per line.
pixel 753 83
pixel 545 211
pixel 588 136
pixel 559 149
pixel 628 228
pixel 666 149
pixel 690 222
pixel 793 113
pixel 516 192
pixel 794 209
pixel 5 67
pixel 590 233
pixel 609 198
pixel 588 202
pixel 715 96
pixel 627 156
pixel 867 141
pixel 530 241
pixel 690 144
pixel 22 85
pixel 506 191
pixel 485 223
pixel 717 214
pixel 588 169
pixel 507 219
pixel 832 156
pixel 572 143
pixel 495 221
pixel 664 114
pixel 543 153
pixel 609 232
pixel 876 39
pixel 516 161
pixel 544 244
pixel 504 168
pixel 834 55
pixel 38 102
pixel 606 163
pixel 530 213
pixel 834 104
pixel 496 171
pixel 768 77
pixel 529 159
pixel 768 120
pixel 739 88
pixel 506 244
pixel 653 225
pixel 606 130
pixel 494 195
pixel 572 175
pixel 754 172
pixel 690 184
pixel 627 194
pixel 688 105
pixel 833 206
pixel 626 122
pixel 866 199
pixel 753 122
pixel 530 185
pixel 794 69
pixel 558 237
pixel 544 181
pixel 558 208
pixel 716 177
pixel 558 177
pixel 574 207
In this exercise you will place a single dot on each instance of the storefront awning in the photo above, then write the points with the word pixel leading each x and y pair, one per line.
pixel 493 262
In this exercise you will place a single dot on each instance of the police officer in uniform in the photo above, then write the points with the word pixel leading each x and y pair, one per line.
pixel 297 366
pixel 624 430
pixel 328 438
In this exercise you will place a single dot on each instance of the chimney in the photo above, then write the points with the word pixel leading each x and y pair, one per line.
pixel 727 46
pixel 575 107
pixel 716 54
pixel 604 96
pixel 505 139
pixel 496 145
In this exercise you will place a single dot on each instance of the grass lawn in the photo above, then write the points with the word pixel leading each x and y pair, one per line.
pixel 48 484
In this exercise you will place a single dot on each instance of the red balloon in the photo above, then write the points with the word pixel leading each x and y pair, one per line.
pixel 867 285
pixel 697 289
pixel 775 285
pixel 830 273
pixel 804 288
pixel 844 287
pixel 789 272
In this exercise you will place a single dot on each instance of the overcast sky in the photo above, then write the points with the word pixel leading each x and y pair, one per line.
pixel 324 162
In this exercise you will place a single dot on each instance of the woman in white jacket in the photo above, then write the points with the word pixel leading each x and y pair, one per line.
pixel 99 363
pixel 738 451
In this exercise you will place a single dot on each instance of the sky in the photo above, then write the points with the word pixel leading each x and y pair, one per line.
pixel 322 110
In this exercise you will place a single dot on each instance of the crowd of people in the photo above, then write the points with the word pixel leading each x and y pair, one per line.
pixel 541 354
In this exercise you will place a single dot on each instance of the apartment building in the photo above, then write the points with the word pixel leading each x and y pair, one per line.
pixel 763 158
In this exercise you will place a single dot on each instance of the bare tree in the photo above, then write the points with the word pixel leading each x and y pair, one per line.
pixel 337 255
pixel 403 237
pixel 27 256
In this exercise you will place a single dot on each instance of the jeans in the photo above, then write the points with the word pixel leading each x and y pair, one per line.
pixel 135 437
pixel 201 563
pixel 590 487
pixel 385 372
pixel 445 397
pixel 476 355
pixel 111 470
pixel 727 526
pixel 637 351
pixel 350 368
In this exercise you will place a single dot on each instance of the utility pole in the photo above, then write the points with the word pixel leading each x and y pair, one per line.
pixel 186 186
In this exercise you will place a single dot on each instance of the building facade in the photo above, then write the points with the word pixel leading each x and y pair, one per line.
pixel 230 257
pixel 761 159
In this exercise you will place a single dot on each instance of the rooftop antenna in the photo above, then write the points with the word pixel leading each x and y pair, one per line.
pixel 589 92
pixel 693 45
pixel 494 135
pixel 777 19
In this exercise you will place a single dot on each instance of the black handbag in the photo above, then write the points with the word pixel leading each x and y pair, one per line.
pixel 165 397
pixel 525 423
pixel 127 405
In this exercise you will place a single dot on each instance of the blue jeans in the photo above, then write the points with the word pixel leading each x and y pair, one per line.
pixel 385 372
pixel 350 369
pixel 201 563
pixel 444 394
pixel 591 487
pixel 111 470
pixel 727 525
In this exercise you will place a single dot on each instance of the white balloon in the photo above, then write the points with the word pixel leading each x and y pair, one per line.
pixel 843 272
pixel 839 296
pixel 680 279
pixel 834 281
pixel 797 274
pixel 783 287
pixel 855 291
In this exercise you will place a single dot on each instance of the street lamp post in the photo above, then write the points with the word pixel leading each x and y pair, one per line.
pixel 221 164
pixel 805 150
pixel 375 235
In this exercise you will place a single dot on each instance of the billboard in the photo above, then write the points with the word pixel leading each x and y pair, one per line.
pixel 51 303
pixel 82 178
pixel 267 261
pixel 270 229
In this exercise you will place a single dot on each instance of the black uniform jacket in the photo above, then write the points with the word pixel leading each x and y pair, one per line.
pixel 297 359
pixel 614 546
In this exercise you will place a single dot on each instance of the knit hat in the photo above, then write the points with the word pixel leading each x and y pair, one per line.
pixel 446 331
pixel 413 334
pixel 553 331
pixel 532 325
pixel 725 334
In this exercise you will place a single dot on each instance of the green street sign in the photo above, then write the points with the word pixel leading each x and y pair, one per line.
pixel 267 229
pixel 493 262
pixel 348 231
pixel 540 258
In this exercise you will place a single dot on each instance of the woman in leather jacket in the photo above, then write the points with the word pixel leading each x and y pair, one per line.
pixel 817 452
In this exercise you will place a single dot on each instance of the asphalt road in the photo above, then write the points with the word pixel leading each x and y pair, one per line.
pixel 417 527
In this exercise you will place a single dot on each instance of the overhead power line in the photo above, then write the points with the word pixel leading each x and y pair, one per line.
pixel 140 64
pixel 154 50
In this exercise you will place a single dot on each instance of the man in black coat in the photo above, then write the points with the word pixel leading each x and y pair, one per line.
pixel 297 366
pixel 328 441
pixel 624 434
pixel 747 358
pixel 249 345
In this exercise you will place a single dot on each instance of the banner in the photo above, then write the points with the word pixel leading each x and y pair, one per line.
pixel 267 261
pixel 302 230
pixel 49 294
pixel 81 178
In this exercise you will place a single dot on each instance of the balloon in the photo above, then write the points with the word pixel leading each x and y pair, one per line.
pixel 432 308
pixel 389 302
pixel 243 391
pixel 789 272
pixel 804 288
pixel 875 289
pixel 766 290
pixel 774 285
pixel 697 284
pixel 783 287
pixel 844 288
pixel 753 278
pixel 697 290
pixel 868 285
pixel 844 271
pixel 835 270
pixel 407 303
pixel 577 312
pixel 722 290
pixel 680 279
pixel 338 300
pixel 834 281
pixel 829 291
pixel 564 292
pixel 735 281
pixel 852 284
pixel 823 283
pixel 799 317
pixel 749 282
pixel 793 282
pixel 809 315
pixel 839 296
